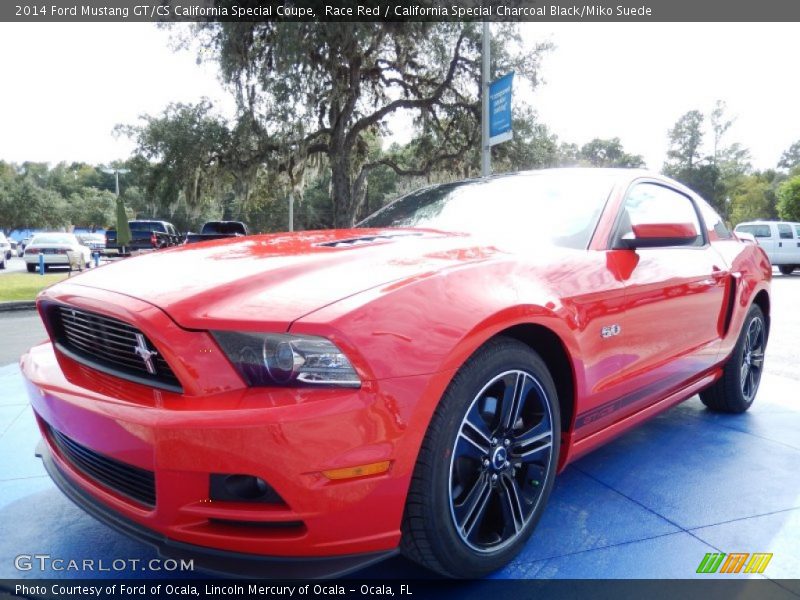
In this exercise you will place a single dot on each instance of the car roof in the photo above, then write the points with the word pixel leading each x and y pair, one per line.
pixel 766 222
pixel 617 175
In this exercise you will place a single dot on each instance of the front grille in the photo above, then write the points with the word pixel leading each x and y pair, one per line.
pixel 132 482
pixel 110 345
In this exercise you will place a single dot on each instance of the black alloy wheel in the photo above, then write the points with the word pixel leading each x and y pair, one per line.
pixel 500 459
pixel 752 362
pixel 487 464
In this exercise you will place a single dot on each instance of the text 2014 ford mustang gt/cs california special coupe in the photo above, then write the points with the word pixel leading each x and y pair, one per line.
pixel 324 398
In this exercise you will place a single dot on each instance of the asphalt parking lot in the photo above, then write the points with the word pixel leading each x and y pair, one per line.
pixel 650 504
pixel 14 265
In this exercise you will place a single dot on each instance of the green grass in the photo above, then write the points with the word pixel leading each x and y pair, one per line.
pixel 25 286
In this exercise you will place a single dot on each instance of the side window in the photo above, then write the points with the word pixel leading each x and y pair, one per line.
pixel 785 231
pixel 759 231
pixel 650 204
pixel 797 230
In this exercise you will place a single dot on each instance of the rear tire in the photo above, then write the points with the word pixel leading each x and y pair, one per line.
pixel 786 269
pixel 31 268
pixel 735 391
pixel 487 464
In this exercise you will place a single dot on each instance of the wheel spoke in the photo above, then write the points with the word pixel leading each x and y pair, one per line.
pixel 743 374
pixel 476 429
pixel 754 335
pixel 471 511
pixel 473 439
pixel 530 446
pixel 512 401
pixel 512 504
pixel 757 359
pixel 468 448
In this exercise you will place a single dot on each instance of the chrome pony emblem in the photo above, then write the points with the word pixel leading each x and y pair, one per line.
pixel 145 353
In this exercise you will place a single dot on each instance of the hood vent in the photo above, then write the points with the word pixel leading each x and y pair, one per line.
pixel 366 239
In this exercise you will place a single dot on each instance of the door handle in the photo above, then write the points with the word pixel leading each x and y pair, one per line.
pixel 780 244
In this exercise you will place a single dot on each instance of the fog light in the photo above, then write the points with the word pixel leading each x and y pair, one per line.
pixel 242 488
pixel 246 486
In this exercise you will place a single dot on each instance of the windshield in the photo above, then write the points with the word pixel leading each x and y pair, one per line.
pixel 55 238
pixel 559 207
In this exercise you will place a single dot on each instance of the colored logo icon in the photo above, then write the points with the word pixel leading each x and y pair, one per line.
pixel 736 562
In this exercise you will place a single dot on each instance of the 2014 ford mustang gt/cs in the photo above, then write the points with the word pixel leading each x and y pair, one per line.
pixel 303 404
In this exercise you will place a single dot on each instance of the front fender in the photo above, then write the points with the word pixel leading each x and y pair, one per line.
pixel 434 322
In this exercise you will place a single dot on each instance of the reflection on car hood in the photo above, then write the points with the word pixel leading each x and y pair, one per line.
pixel 272 280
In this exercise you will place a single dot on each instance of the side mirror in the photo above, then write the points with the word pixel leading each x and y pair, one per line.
pixel 660 235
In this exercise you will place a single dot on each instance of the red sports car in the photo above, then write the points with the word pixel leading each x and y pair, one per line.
pixel 304 404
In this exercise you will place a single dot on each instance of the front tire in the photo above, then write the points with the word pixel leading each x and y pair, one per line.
pixel 487 464
pixel 786 269
pixel 735 391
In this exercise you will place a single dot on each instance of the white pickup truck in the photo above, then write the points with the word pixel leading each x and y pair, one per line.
pixel 779 239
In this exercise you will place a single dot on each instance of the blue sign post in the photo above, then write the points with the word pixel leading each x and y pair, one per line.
pixel 500 109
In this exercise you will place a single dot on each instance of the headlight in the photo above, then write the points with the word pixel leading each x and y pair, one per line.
pixel 277 359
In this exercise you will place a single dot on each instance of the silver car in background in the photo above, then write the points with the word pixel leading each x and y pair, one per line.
pixel 5 250
pixel 96 242
pixel 61 249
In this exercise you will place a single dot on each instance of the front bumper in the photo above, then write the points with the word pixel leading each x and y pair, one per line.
pixel 228 563
pixel 287 438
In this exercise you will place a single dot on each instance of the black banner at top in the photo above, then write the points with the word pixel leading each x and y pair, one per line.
pixel 399 10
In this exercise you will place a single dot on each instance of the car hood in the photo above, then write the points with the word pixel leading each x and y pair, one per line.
pixel 269 281
pixel 54 246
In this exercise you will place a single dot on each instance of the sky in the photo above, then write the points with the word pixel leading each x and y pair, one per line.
pixel 65 86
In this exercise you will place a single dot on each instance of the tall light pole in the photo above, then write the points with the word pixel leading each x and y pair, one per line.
pixel 123 229
pixel 486 151
pixel 116 173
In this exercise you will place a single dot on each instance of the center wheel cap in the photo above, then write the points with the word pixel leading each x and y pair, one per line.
pixel 499 458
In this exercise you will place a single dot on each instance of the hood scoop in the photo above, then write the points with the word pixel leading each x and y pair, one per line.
pixel 366 239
